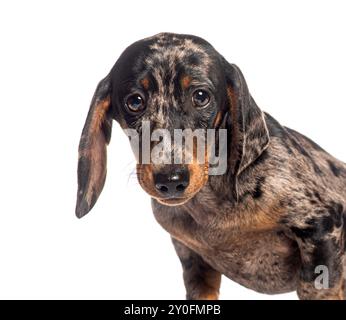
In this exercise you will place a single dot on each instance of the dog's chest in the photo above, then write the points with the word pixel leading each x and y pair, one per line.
pixel 266 261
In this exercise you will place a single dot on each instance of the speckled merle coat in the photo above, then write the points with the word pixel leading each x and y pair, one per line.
pixel 270 220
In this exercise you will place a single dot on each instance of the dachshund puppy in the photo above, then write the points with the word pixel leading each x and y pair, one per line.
pixel 273 221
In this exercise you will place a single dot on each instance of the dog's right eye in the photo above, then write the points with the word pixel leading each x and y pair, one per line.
pixel 135 103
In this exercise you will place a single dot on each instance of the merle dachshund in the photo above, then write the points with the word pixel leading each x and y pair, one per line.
pixel 272 222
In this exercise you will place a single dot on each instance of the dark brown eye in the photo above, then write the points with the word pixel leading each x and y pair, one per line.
pixel 200 98
pixel 135 103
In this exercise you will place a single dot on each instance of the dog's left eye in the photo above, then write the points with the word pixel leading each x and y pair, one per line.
pixel 135 103
pixel 200 98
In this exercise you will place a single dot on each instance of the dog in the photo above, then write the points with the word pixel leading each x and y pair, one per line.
pixel 274 221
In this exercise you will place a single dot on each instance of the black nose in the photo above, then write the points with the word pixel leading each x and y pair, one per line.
pixel 173 183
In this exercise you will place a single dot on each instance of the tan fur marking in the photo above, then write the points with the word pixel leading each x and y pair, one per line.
pixel 217 120
pixel 198 173
pixel 99 114
pixel 145 178
pixel 96 150
pixel 186 81
pixel 233 110
pixel 145 83
pixel 198 178
pixel 210 290
pixel 210 296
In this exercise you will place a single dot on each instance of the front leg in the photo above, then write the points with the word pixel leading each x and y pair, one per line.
pixel 321 244
pixel 202 282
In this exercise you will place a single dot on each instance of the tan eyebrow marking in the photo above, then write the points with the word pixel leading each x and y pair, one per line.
pixel 185 81
pixel 145 83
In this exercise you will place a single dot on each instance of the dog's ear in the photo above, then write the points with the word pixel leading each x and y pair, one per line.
pixel 92 160
pixel 249 132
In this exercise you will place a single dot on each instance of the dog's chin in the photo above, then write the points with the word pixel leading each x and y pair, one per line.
pixel 173 201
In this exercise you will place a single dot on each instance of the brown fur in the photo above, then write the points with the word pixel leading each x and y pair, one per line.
pixel 145 83
pixel 185 81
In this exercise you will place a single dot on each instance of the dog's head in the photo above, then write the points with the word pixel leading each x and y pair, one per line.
pixel 169 82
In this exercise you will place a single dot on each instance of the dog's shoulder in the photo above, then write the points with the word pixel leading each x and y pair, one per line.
pixel 302 154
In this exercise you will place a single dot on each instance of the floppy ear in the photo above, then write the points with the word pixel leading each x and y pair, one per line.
pixel 92 160
pixel 249 133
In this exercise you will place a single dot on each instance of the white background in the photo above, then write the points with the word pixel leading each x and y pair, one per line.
pixel 53 53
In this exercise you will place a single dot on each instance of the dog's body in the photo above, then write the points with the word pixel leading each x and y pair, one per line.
pixel 282 197
pixel 270 220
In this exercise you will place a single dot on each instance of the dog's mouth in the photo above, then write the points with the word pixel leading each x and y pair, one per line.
pixel 173 201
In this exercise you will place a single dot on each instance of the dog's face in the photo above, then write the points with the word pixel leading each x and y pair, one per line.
pixel 172 82
pixel 169 82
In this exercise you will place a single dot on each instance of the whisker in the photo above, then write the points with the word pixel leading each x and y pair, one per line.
pixel 132 173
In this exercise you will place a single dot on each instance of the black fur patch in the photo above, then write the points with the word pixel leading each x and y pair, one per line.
pixel 257 193
pixel 336 171
pixel 302 151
